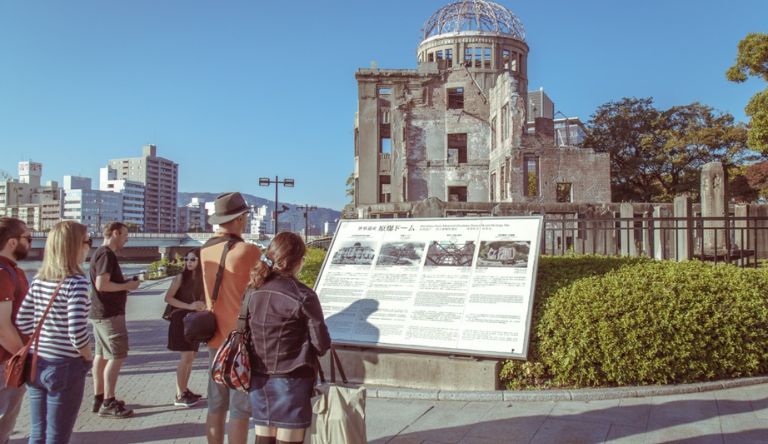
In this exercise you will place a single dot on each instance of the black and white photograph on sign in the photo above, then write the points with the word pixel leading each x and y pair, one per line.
pixel 354 253
pixel 503 254
pixel 450 254
pixel 401 253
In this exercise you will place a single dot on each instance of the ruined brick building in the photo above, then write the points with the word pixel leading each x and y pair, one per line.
pixel 455 128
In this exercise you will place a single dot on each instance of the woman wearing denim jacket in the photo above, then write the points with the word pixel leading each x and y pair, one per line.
pixel 288 333
pixel 64 355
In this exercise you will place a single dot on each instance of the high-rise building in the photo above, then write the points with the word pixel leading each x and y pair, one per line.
pixel 93 208
pixel 192 217
pixel 160 178
pixel 260 220
pixel 40 207
pixel 132 192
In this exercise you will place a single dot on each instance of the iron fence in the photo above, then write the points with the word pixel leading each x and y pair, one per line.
pixel 738 240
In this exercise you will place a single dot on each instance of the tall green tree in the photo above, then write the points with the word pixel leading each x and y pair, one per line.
pixel 752 61
pixel 658 154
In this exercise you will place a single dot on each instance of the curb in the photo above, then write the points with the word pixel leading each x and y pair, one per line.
pixel 561 395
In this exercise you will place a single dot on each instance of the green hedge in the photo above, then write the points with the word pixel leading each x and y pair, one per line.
pixel 164 268
pixel 313 260
pixel 657 323
pixel 555 273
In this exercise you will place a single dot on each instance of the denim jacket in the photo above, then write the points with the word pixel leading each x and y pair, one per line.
pixel 287 326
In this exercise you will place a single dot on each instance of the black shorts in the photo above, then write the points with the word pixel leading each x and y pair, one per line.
pixel 176 340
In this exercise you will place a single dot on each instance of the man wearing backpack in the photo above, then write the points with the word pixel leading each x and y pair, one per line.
pixel 230 259
pixel 15 242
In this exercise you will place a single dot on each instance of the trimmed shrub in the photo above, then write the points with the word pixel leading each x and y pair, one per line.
pixel 313 260
pixel 554 273
pixel 656 323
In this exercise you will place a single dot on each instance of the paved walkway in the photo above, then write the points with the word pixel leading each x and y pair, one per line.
pixel 735 415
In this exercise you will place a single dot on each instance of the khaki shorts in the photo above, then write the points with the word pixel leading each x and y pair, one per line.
pixel 111 336
pixel 221 398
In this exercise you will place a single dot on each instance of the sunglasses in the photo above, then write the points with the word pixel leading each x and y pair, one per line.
pixel 192 259
pixel 89 242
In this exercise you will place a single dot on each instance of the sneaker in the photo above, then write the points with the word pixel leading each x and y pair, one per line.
pixel 98 400
pixel 186 400
pixel 193 394
pixel 115 409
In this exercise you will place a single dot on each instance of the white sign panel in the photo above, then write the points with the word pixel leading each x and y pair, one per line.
pixel 458 285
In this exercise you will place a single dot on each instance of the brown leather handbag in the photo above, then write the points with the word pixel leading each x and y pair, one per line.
pixel 17 369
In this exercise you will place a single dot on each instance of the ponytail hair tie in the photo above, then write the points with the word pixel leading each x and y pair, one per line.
pixel 267 260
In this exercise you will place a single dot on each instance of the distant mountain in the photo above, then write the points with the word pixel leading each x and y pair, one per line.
pixel 317 217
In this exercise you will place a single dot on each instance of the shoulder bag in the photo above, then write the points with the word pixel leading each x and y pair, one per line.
pixel 200 326
pixel 18 369
pixel 232 363
pixel 338 411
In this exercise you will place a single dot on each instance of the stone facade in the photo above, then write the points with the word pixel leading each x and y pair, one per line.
pixel 455 129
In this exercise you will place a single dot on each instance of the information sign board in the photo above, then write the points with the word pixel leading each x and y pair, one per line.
pixel 460 286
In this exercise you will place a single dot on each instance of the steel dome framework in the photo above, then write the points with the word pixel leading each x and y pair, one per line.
pixel 474 16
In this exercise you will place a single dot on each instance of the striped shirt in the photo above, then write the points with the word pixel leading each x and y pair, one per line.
pixel 65 329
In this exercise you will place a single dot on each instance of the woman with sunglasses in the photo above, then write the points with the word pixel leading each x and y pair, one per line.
pixel 64 353
pixel 185 295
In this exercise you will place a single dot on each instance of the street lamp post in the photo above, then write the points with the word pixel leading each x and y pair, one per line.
pixel 266 181
pixel 306 209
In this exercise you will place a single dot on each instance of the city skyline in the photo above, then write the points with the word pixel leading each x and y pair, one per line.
pixel 86 81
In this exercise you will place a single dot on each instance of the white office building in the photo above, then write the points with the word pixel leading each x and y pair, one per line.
pixel 132 193
pixel 93 208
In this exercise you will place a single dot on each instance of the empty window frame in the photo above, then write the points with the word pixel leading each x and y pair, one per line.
pixel 431 57
pixel 505 59
pixel 439 54
pixel 531 176
pixel 493 133
pixel 457 148
pixel 563 192
pixel 449 57
pixel 385 91
pixel 384 191
pixel 455 98
pixel 487 58
pixel 467 56
pixel 478 57
pixel 502 186
pixel 385 138
pixel 457 194
pixel 505 121
pixel 493 188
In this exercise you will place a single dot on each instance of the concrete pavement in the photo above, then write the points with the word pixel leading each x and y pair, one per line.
pixel 699 413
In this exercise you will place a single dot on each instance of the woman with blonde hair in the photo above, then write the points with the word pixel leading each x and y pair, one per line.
pixel 64 351
pixel 288 332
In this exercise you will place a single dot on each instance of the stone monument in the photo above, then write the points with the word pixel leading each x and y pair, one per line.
pixel 713 205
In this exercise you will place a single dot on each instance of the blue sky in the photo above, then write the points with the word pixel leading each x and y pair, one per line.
pixel 234 90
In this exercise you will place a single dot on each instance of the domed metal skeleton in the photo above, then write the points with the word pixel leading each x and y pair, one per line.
pixel 474 16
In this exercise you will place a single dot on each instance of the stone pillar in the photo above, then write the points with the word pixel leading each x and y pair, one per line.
pixel 627 230
pixel 760 231
pixel 740 235
pixel 648 233
pixel 684 232
pixel 713 205
pixel 663 240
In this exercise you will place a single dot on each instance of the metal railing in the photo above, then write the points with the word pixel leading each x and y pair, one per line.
pixel 739 240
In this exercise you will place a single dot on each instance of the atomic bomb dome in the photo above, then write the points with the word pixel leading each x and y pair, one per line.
pixel 474 16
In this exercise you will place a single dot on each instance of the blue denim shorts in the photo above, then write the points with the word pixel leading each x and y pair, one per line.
pixel 281 402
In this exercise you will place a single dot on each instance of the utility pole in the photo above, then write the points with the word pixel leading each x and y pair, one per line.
pixel 266 181
pixel 306 209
